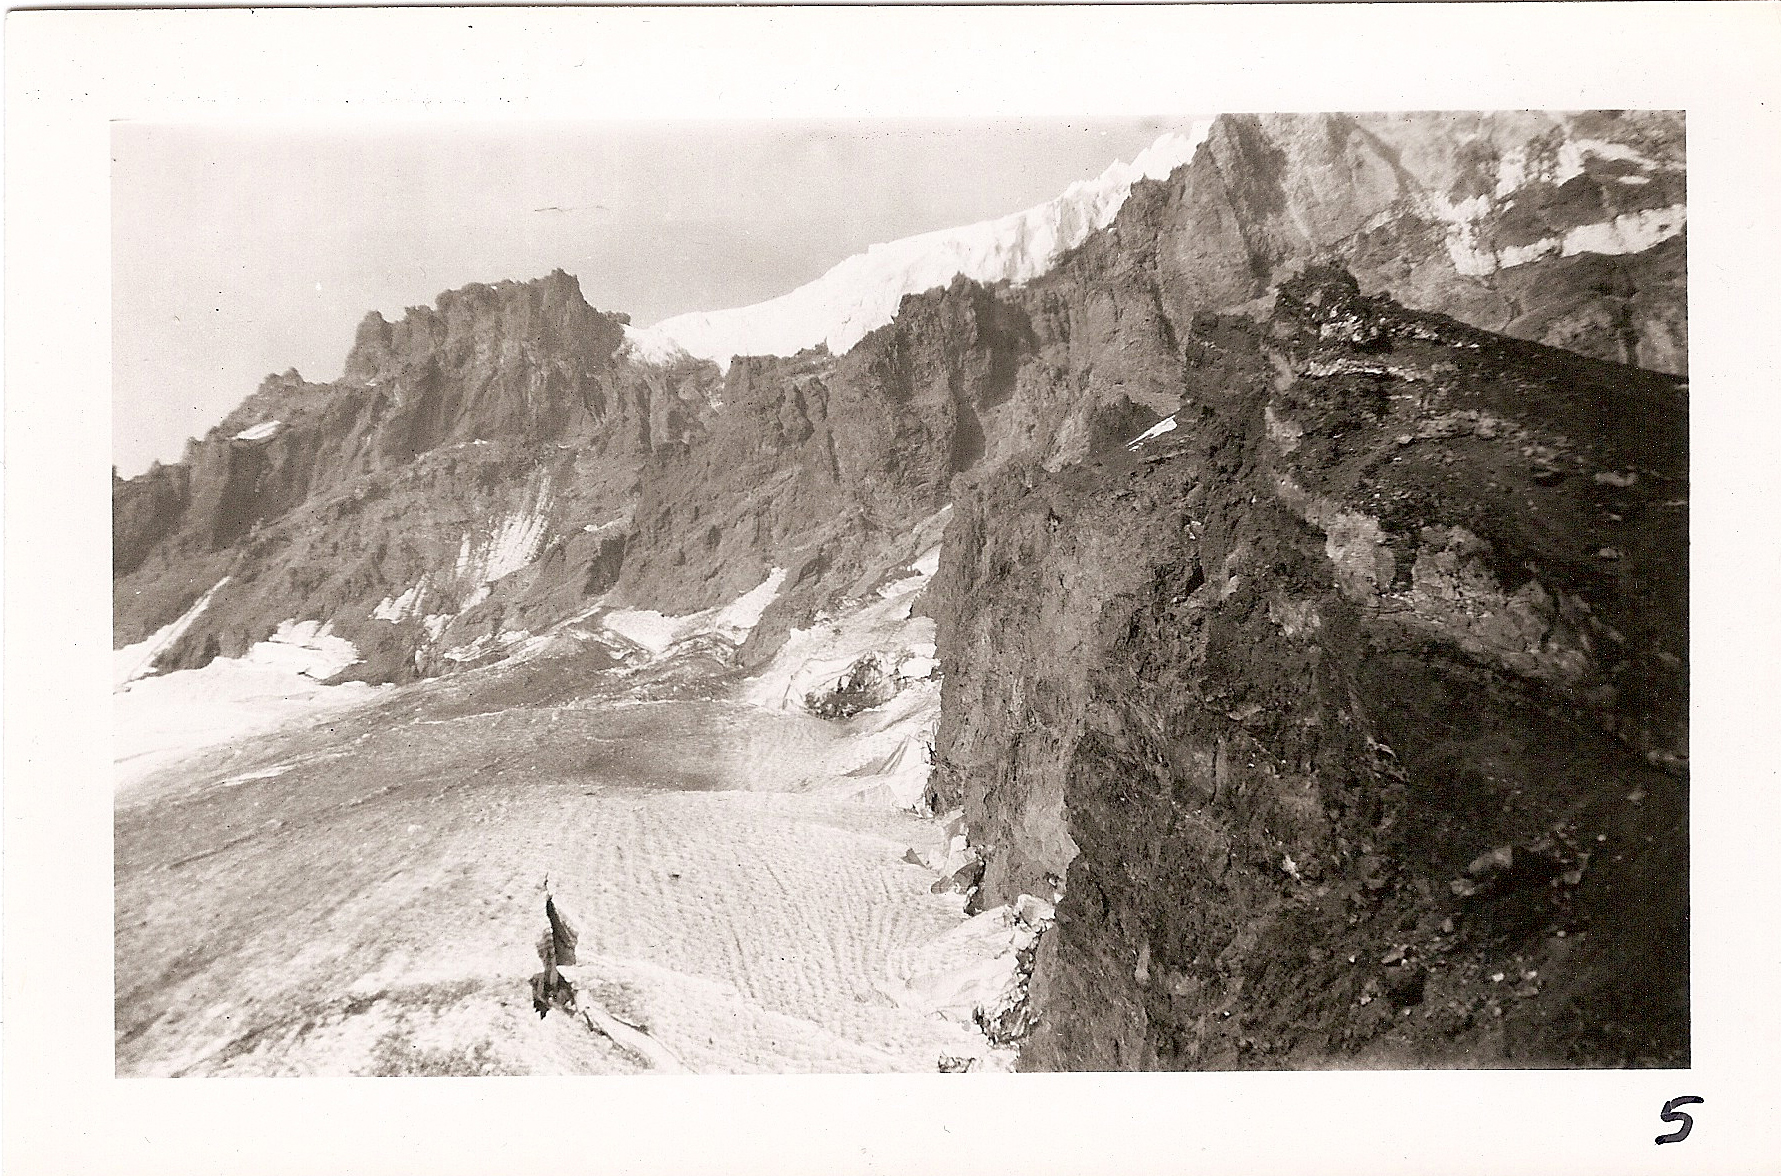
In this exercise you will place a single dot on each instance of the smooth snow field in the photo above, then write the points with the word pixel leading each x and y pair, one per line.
pixel 360 891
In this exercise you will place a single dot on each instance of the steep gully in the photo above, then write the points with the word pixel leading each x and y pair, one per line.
pixel 1204 691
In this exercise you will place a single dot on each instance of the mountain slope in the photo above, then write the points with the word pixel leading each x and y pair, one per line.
pixel 1564 229
pixel 478 471
pixel 465 443
pixel 1452 212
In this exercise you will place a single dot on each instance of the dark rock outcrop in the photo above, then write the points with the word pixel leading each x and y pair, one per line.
pixel 1394 594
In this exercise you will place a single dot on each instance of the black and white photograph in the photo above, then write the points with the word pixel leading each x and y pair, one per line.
pixel 1194 584
pixel 1230 614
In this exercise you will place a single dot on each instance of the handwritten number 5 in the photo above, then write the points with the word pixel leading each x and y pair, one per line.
pixel 1672 1115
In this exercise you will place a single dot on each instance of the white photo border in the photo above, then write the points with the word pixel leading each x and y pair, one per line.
pixel 69 74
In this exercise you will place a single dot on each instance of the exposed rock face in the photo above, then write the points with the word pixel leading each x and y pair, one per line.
pixel 820 461
pixel 435 497
pixel 1563 229
pixel 531 362
pixel 144 511
pixel 826 465
pixel 1395 596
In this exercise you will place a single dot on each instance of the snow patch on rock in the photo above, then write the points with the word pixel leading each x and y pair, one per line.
pixel 1467 233
pixel 1468 221
pixel 260 432
pixel 133 661
pixel 1516 170
pixel 741 615
pixel 1166 425
pixel 399 608
pixel 1632 232
pixel 1573 153
pixel 611 526
pixel 657 632
pixel 511 544
pixel 818 657
pixel 646 627
pixel 514 544
pixel 304 647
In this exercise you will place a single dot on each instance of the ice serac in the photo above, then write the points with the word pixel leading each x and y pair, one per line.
pixel 1350 716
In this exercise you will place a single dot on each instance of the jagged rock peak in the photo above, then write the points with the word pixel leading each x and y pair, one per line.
pixel 549 310
pixel 289 378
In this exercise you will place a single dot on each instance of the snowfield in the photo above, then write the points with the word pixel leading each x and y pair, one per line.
pixel 349 880
pixel 159 721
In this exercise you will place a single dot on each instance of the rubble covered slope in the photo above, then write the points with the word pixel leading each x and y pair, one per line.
pixel 1350 714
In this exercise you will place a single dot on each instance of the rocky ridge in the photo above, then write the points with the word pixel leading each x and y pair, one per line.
pixel 1503 220
pixel 1349 716
pixel 477 457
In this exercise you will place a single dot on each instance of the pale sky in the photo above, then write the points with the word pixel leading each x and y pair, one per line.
pixel 243 251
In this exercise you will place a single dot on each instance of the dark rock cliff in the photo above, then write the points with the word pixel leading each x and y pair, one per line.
pixel 1350 715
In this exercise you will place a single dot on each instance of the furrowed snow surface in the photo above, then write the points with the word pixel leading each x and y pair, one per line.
pixel 362 894
pixel 863 292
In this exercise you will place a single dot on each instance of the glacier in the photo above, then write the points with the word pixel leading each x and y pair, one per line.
pixel 862 293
